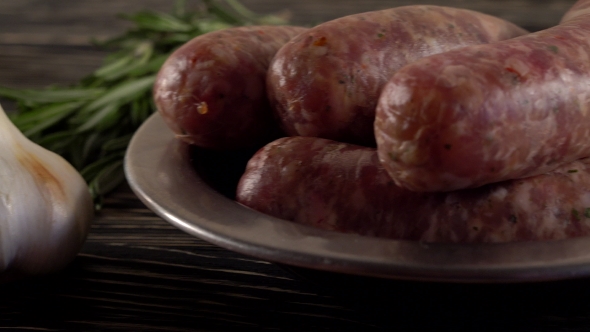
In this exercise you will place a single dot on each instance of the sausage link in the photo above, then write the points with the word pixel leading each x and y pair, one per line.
pixel 326 81
pixel 343 187
pixel 212 91
pixel 488 113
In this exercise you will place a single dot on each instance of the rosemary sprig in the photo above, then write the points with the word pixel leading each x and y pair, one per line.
pixel 91 122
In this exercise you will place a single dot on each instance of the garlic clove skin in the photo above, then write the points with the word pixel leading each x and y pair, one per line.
pixel 45 207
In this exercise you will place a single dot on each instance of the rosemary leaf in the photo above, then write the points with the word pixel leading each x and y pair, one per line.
pixel 112 70
pixel 91 122
pixel 125 91
pixel 43 118
pixel 57 142
pixel 32 97
pixel 106 180
pixel 97 117
pixel 150 67
pixel 158 22
pixel 119 143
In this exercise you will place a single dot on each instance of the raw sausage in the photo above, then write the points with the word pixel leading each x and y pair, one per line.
pixel 343 187
pixel 326 81
pixel 211 91
pixel 488 113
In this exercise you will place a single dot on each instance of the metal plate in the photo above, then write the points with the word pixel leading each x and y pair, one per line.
pixel 160 171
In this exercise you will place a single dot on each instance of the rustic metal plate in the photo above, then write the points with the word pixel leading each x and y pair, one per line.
pixel 170 180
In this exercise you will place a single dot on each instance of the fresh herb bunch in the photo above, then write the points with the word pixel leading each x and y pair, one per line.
pixel 91 123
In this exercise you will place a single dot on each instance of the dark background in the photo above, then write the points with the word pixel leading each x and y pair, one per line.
pixel 46 41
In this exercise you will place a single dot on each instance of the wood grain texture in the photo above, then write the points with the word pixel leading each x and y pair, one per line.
pixel 530 14
pixel 47 42
pixel 138 273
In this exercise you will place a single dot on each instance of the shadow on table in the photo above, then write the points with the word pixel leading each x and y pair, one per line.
pixel 419 306
pixel 431 306
pixel 130 294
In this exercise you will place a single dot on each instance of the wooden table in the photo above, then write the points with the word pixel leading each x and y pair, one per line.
pixel 138 273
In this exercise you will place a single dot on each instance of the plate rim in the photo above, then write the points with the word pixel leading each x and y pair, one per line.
pixel 156 160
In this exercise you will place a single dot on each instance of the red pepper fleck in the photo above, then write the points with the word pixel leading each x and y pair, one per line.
pixel 517 77
pixel 512 70
pixel 320 41
pixel 202 108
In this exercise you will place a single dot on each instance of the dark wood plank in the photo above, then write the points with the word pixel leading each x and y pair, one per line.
pixel 33 66
pixel 137 272
pixel 530 14
pixel 47 42
pixel 37 19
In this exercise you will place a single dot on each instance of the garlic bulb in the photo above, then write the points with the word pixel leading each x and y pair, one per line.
pixel 45 207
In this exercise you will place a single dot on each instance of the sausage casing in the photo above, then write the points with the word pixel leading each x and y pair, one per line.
pixel 489 113
pixel 343 187
pixel 326 81
pixel 212 91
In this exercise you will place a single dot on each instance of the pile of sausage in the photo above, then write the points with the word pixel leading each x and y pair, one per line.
pixel 423 123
